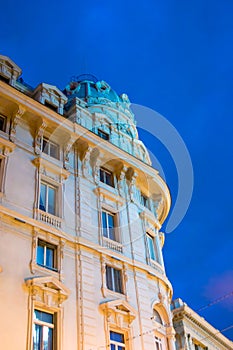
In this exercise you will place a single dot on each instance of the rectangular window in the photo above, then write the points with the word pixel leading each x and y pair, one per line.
pixel 50 148
pixel 48 194
pixel 108 225
pixel 114 279
pixel 117 341
pixel 158 343
pixel 46 255
pixel 44 330
pixel 2 123
pixel 151 247
pixel 103 135
pixel 145 201
pixel 106 177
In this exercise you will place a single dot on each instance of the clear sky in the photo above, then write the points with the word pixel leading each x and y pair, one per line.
pixel 175 57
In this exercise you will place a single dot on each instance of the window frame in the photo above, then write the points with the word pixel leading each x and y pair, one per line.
pixel 56 197
pixel 42 324
pixel 115 236
pixel 116 343
pixel 116 283
pixel 103 179
pixel 152 255
pixel 46 245
pixel 46 140
pixel 158 343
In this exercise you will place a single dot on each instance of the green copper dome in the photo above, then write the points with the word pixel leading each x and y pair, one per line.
pixel 93 91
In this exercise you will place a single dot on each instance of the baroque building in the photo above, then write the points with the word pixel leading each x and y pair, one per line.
pixel 81 210
pixel 193 332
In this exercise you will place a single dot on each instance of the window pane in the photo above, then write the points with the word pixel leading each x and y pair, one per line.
pixel 45 146
pixel 111 227
pixel 37 337
pixel 43 197
pixel 109 277
pixel 150 242
pixel 53 150
pixel 104 224
pixel 112 347
pixel 117 337
pixel 109 179
pixel 40 255
pixel 51 200
pixel 102 177
pixel 50 257
pixel 47 338
pixel 43 316
pixel 117 281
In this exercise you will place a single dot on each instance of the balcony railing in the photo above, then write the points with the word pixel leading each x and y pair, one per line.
pixel 109 243
pixel 48 218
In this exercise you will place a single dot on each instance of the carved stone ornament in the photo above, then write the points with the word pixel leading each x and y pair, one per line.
pixel 86 162
pixel 14 122
pixel 119 308
pixel 39 136
pixel 67 150
pixel 47 290
pixel 132 188
pixel 96 171
pixel 121 181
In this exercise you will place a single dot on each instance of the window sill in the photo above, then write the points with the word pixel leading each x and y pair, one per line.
pixel 110 293
pixel 49 219
pixel 113 245
pixel 44 270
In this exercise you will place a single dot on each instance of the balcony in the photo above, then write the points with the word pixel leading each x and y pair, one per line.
pixel 110 244
pixel 48 218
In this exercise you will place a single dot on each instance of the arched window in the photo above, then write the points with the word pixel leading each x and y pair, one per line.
pixel 157 317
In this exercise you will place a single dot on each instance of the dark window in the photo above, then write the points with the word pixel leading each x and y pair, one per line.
pixel 6 80
pixel 108 225
pixel 2 123
pixel 48 198
pixel 114 279
pixel 117 341
pixel 44 330
pixel 51 106
pixel 50 148
pixel 46 255
pixel 145 201
pixel 106 177
pixel 103 134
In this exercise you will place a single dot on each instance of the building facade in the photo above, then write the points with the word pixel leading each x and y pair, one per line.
pixel 81 211
pixel 193 332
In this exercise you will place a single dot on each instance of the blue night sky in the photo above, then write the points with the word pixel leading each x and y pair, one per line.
pixel 175 57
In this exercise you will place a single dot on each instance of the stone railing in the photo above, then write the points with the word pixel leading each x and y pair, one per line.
pixel 156 266
pixel 48 218
pixel 109 243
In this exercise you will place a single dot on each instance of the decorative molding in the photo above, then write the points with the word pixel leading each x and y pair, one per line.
pixel 39 136
pixel 47 290
pixel 47 167
pixel 14 122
